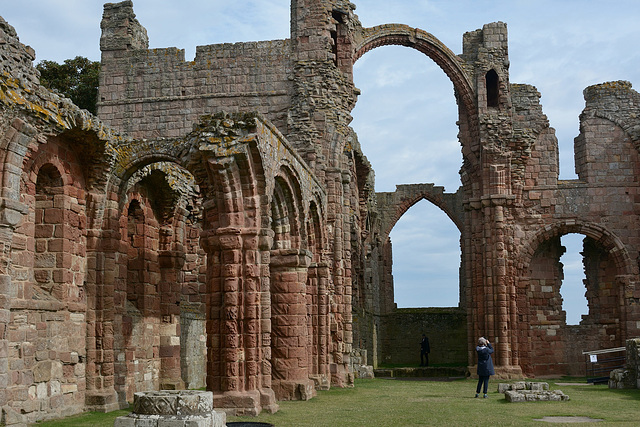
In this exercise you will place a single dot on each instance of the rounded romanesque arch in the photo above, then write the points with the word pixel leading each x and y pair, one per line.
pixel 316 234
pixel 415 38
pixel 542 341
pixel 287 215
pixel 609 241
pixel 452 65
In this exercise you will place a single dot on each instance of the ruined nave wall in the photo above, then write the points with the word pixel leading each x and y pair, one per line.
pixel 155 93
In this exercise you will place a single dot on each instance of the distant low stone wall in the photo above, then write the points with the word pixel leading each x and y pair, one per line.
pixel 446 329
pixel 628 377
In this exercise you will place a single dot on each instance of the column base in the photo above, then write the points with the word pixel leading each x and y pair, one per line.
pixel 294 389
pixel 237 403
pixel 103 401
pixel 321 381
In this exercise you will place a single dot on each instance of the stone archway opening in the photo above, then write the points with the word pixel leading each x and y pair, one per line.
pixel 558 341
pixel 572 290
pixel 426 258
pixel 414 111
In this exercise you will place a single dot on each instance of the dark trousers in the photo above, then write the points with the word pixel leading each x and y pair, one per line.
pixel 424 358
pixel 483 381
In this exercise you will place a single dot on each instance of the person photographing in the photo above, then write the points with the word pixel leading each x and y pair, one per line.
pixel 485 365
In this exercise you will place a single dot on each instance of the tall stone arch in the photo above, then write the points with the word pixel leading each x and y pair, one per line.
pixel 392 206
pixel 453 66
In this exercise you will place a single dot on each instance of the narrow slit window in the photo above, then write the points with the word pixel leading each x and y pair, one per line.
pixel 493 92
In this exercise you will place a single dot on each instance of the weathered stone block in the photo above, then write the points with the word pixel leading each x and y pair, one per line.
pixel 47 370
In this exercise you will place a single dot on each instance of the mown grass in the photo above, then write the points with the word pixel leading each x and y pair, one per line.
pixel 386 402
pixel 88 419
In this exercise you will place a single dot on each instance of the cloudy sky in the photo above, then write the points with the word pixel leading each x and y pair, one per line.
pixel 406 115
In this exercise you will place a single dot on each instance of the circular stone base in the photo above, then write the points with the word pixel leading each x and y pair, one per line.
pixel 174 408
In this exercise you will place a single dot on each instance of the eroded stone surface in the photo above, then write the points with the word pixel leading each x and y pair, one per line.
pixel 526 391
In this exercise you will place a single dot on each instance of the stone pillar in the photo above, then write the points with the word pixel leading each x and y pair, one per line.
pixel 10 215
pixel 235 353
pixel 289 324
pixel 106 293
pixel 318 328
pixel 171 281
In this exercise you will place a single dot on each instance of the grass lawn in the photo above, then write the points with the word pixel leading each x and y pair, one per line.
pixel 385 402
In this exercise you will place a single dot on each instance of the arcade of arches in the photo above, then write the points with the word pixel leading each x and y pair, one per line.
pixel 216 224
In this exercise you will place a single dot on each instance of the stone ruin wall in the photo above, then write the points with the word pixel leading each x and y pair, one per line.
pixel 155 93
pixel 600 205
pixel 445 327
pixel 43 306
pixel 629 376
pixel 109 234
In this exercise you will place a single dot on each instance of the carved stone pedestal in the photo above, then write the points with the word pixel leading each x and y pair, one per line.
pixel 173 408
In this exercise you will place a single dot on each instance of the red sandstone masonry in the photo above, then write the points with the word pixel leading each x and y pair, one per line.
pixel 265 228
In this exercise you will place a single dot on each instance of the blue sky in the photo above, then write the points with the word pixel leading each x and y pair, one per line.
pixel 406 115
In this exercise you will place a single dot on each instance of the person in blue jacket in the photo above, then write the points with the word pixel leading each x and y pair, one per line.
pixel 485 365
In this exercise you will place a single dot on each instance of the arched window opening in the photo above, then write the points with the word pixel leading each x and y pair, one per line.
pixel 572 290
pixel 493 89
pixel 49 181
pixel 426 258
pixel 135 219
pixel 49 218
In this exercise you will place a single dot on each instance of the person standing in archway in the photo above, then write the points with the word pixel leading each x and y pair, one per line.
pixel 485 365
pixel 425 349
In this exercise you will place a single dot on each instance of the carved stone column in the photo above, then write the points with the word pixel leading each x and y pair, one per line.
pixel 11 213
pixel 318 325
pixel 171 281
pixel 235 352
pixel 289 324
